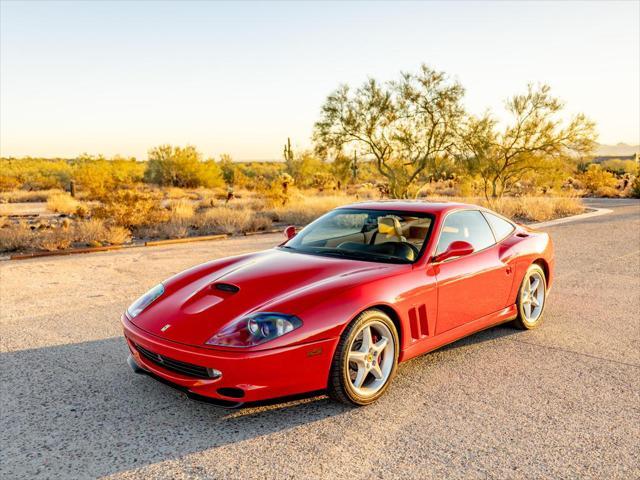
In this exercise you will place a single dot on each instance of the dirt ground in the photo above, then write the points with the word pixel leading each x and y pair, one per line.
pixel 557 402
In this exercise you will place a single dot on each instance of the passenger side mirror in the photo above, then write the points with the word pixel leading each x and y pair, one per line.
pixel 459 248
pixel 290 232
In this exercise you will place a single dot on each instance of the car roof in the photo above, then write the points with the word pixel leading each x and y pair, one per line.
pixel 422 206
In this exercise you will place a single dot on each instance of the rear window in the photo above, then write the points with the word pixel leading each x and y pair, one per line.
pixel 501 228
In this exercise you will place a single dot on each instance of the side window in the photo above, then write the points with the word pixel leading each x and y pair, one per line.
pixel 469 226
pixel 501 227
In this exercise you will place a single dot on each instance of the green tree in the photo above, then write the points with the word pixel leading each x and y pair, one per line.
pixel 403 125
pixel 181 167
pixel 533 141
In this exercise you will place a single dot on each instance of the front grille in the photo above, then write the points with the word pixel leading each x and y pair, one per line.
pixel 177 366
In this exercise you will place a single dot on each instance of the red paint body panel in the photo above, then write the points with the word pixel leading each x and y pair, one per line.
pixel 432 303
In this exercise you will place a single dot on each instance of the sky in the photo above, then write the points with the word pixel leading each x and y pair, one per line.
pixel 239 78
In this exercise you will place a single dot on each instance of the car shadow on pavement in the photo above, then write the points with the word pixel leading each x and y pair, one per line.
pixel 78 410
pixel 493 333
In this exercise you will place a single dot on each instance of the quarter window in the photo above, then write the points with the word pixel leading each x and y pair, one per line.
pixel 467 225
pixel 501 228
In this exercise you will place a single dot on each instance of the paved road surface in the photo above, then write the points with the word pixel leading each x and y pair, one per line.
pixel 562 401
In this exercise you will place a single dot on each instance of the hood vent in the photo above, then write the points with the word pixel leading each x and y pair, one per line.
pixel 227 287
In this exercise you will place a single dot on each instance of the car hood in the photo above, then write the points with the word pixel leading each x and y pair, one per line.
pixel 200 301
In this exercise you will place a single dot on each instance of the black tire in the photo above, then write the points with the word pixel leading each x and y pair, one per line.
pixel 521 321
pixel 340 387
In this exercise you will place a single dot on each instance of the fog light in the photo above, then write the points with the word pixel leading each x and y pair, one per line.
pixel 213 373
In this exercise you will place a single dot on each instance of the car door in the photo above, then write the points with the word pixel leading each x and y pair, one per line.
pixel 474 285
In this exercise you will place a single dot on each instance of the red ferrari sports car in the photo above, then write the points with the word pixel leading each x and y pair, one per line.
pixel 336 306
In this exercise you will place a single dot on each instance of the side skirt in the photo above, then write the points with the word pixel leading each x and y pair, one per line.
pixel 429 344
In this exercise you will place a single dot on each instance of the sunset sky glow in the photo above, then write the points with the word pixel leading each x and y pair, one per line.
pixel 120 77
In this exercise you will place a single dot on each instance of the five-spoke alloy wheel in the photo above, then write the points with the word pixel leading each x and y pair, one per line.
pixel 365 360
pixel 531 298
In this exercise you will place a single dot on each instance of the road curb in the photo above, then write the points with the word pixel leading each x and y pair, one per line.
pixel 150 243
pixel 595 212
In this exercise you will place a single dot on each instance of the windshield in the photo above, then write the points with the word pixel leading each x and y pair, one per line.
pixel 372 235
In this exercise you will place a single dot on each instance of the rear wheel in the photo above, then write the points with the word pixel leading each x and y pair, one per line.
pixel 365 360
pixel 531 298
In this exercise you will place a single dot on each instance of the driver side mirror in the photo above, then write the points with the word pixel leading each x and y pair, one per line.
pixel 459 248
pixel 290 232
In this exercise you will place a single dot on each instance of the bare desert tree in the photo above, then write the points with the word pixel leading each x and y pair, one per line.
pixel 532 140
pixel 404 126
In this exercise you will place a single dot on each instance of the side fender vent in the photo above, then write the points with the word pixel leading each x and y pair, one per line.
pixel 227 287
pixel 418 322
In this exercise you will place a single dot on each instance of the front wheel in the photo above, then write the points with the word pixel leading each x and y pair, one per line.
pixel 531 298
pixel 365 360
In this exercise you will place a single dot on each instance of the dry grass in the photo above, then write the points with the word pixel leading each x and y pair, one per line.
pixel 24 237
pixel 523 209
pixel 20 196
pixel 181 210
pixel 303 210
pixel 534 209
pixel 62 203
pixel 16 237
pixel 230 220
pixel 90 231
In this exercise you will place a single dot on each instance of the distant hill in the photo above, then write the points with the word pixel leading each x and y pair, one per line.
pixel 621 149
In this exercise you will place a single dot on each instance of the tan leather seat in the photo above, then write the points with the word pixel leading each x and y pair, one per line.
pixel 391 229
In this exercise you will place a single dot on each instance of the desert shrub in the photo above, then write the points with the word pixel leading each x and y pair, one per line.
pixel 54 239
pixel 255 174
pixel 606 191
pixel 223 220
pixel 8 183
pixel 635 187
pixel 230 221
pixel 117 235
pixel 259 223
pixel 596 179
pixel 62 203
pixel 95 232
pixel 94 177
pixel 278 191
pixel 257 204
pixel 90 231
pixel 127 171
pixel 16 237
pixel 34 173
pixel 131 208
pixel 619 167
pixel 181 167
pixel 181 210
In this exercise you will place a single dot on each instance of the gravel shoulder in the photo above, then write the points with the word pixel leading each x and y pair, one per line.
pixel 559 401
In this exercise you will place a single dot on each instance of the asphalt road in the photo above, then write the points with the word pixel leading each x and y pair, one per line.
pixel 562 401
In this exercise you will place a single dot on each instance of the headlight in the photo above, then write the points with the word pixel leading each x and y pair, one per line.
pixel 255 329
pixel 144 301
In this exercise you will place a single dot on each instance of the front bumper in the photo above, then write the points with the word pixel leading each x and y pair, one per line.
pixel 245 376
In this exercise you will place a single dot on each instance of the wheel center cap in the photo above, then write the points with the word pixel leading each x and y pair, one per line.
pixel 370 357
